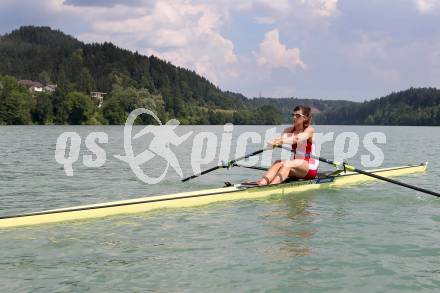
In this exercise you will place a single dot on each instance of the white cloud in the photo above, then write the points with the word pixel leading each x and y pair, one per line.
pixel 368 46
pixel 282 91
pixel 274 54
pixel 181 32
pixel 426 6
pixel 264 20
pixel 286 7
pixel 327 8
pixel 277 5
pixel 373 53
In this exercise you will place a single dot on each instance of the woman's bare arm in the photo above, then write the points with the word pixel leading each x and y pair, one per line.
pixel 287 137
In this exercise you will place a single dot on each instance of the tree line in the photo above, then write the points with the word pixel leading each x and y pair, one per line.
pixel 18 106
pixel 414 106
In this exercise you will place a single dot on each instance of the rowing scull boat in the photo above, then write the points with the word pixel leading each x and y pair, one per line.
pixel 197 198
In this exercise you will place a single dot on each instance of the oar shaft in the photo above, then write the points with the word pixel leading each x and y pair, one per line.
pixel 397 182
pixel 229 164
pixel 249 155
pixel 252 167
pixel 202 173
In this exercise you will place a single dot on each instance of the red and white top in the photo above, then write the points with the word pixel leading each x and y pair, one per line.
pixel 306 154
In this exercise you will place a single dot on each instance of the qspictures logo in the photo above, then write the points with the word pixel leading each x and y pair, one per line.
pixel 207 147
pixel 163 136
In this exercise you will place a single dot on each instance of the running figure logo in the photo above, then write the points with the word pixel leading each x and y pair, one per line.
pixel 163 137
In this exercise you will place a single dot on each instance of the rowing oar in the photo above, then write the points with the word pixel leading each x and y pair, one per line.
pixel 228 164
pixel 354 169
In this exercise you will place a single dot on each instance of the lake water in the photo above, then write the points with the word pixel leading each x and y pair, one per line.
pixel 374 237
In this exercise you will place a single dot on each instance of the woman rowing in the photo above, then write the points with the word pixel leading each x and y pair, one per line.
pixel 300 136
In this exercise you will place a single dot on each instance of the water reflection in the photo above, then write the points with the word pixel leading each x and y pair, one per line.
pixel 290 226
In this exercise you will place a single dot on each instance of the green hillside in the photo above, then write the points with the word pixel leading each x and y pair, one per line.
pixel 415 106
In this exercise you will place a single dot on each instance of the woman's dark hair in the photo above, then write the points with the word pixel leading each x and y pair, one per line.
pixel 306 112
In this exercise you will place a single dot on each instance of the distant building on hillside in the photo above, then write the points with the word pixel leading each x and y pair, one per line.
pixel 50 88
pixel 98 97
pixel 33 86
pixel 37 87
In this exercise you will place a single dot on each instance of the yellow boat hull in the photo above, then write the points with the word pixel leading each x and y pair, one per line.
pixel 196 198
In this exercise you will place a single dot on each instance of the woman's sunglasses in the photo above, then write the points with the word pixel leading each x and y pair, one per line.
pixel 298 115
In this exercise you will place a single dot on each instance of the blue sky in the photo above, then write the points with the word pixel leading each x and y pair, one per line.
pixel 327 49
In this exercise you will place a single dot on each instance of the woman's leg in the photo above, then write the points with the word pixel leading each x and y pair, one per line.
pixel 300 169
pixel 270 174
pixel 296 168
